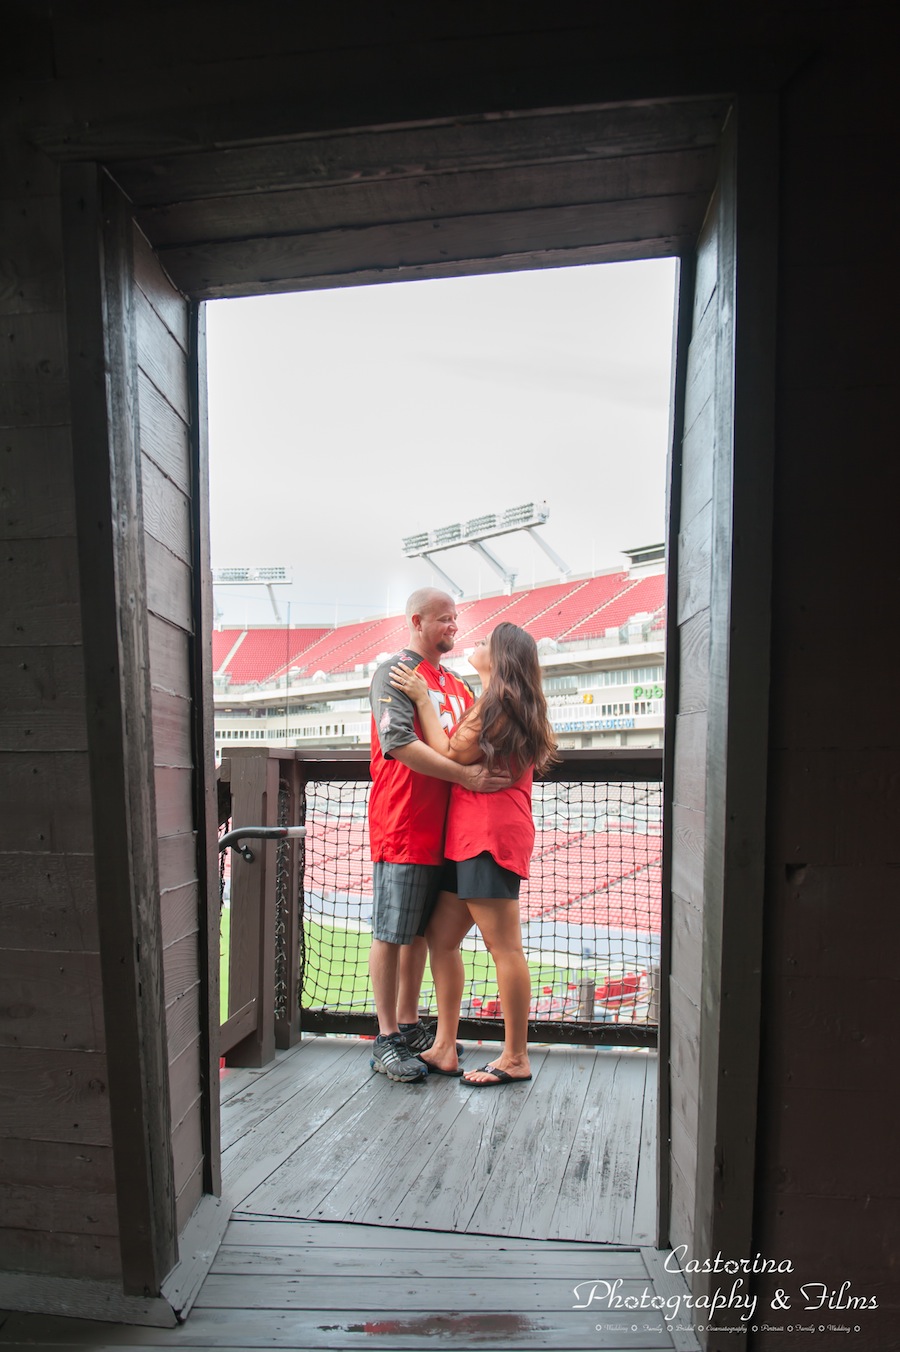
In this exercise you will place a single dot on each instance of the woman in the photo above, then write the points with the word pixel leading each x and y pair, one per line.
pixel 488 843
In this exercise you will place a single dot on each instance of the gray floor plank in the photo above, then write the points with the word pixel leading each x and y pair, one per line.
pixel 258 1100
pixel 520 1195
pixel 376 1182
pixel 644 1229
pixel 596 1194
pixel 522 1331
pixel 667 1284
pixel 235 1079
pixel 428 1264
pixel 305 1179
pixel 377 1292
pixel 445 1194
pixel 322 1234
pixel 290 1127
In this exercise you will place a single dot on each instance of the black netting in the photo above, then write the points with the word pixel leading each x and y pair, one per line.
pixel 590 910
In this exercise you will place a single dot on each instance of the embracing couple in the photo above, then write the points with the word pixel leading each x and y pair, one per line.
pixel 451 831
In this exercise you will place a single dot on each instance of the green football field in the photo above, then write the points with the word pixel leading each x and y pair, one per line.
pixel 337 974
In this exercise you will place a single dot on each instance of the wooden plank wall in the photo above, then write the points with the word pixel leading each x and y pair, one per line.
pixel 829 1100
pixel 691 632
pixel 57 1188
pixel 164 406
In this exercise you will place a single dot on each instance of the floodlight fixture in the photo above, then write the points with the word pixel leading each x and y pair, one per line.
pixel 268 577
pixel 474 532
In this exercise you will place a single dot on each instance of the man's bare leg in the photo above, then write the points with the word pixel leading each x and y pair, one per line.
pixel 411 972
pixel 384 972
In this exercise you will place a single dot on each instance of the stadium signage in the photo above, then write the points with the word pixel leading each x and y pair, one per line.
pixel 593 725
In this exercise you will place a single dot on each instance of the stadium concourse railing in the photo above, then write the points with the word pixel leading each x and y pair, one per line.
pixel 298 909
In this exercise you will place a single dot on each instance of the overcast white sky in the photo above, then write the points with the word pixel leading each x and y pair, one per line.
pixel 342 421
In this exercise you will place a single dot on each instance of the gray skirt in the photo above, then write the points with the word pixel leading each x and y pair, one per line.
pixel 480 879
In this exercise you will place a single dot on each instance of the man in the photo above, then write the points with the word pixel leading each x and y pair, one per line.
pixel 407 807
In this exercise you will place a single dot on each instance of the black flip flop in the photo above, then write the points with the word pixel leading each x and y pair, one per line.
pixel 436 1070
pixel 501 1077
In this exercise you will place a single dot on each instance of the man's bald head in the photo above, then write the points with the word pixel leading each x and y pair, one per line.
pixel 426 601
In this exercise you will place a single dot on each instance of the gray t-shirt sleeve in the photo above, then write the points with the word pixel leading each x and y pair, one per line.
pixel 392 710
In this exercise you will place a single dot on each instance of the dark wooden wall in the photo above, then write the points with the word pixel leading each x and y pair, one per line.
pixel 829 1164
pixel 163 321
pixel 58 1211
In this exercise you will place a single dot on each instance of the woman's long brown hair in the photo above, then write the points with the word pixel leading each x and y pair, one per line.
pixel 515 731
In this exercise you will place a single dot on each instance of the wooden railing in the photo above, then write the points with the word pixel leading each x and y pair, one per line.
pixel 264 786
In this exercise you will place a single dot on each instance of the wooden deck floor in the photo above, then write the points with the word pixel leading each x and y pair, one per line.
pixel 375 1215
pixel 568 1155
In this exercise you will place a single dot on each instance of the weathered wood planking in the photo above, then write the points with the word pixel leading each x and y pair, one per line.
pixel 167 512
pixel 190 1193
pixel 47 800
pixel 270 1112
pixel 597 1191
pixel 449 148
pixel 66 1092
pixel 174 786
pixel 170 669
pixel 182 1019
pixel 179 907
pixel 245 1231
pixel 334 1330
pixel 51 999
pixel 417 1260
pixel 289 261
pixel 46 571
pixel 650 1208
pixel 42 700
pixel 521 1195
pixel 58 1253
pixel 177 853
pixel 184 1079
pixel 455 1154
pixel 423 196
pixel 688 725
pixel 164 435
pixel 168 586
pixel 37 483
pixel 47 902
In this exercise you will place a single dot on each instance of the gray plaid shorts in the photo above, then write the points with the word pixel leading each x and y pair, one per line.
pixel 403 898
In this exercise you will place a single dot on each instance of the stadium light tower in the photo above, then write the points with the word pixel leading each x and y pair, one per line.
pixel 254 577
pixel 474 533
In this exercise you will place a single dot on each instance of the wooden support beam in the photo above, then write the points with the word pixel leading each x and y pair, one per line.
pixel 254 788
pixel 287 1024
pixel 544 236
pixel 102 351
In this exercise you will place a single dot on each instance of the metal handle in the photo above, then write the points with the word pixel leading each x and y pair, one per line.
pixel 232 839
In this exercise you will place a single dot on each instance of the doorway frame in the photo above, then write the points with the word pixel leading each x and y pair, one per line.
pixel 737 771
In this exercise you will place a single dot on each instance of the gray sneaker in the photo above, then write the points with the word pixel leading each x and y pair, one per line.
pixel 420 1036
pixel 393 1058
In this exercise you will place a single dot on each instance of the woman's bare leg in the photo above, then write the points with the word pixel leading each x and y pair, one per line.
pixel 501 929
pixel 449 925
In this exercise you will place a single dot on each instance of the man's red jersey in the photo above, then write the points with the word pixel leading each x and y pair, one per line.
pixel 406 809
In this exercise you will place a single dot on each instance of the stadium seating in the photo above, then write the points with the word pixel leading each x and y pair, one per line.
pixel 597 591
pixel 265 652
pixel 646 595
pixel 223 640
pixel 336 650
pixel 563 611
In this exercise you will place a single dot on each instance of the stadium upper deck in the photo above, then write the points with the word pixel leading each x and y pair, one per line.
pixel 601 642
pixel 566 612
